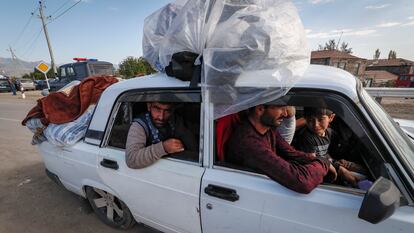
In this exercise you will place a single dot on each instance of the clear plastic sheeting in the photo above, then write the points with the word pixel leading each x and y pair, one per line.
pixel 253 51
pixel 156 26
pixel 68 134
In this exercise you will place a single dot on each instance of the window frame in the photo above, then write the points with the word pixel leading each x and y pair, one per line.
pixel 149 91
pixel 355 111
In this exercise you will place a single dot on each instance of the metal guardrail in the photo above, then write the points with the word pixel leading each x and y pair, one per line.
pixel 379 92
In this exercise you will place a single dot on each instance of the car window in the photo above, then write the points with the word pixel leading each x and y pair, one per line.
pixel 186 112
pixel 80 70
pixel 70 71
pixel 62 72
pixel 100 69
pixel 352 141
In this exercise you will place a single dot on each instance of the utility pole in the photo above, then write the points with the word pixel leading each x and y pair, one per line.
pixel 339 41
pixel 13 55
pixel 47 37
pixel 15 61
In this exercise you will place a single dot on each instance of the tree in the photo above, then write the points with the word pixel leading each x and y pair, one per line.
pixel 392 54
pixel 377 54
pixel 131 67
pixel 332 45
pixel 345 49
pixel 37 75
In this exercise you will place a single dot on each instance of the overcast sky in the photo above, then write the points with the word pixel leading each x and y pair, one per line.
pixel 112 30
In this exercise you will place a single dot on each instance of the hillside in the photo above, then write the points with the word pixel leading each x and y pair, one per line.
pixel 16 68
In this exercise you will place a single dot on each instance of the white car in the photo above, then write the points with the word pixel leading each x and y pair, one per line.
pixel 27 84
pixel 196 192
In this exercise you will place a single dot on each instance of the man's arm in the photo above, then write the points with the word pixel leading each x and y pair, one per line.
pixel 302 178
pixel 290 153
pixel 137 155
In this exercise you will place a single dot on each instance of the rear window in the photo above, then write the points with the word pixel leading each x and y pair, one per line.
pixel 100 69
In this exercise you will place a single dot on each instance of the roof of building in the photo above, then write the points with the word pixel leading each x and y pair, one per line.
pixel 390 62
pixel 380 74
pixel 332 54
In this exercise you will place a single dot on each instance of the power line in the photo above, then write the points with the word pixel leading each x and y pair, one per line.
pixel 24 28
pixel 76 3
pixel 61 6
pixel 31 46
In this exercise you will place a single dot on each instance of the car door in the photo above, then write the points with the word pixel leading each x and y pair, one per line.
pixel 265 206
pixel 165 194
pixel 237 200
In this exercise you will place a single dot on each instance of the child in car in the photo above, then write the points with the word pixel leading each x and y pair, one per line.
pixel 316 138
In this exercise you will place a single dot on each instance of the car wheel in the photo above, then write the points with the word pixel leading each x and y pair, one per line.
pixel 109 209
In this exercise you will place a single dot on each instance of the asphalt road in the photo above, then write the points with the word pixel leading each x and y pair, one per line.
pixel 29 200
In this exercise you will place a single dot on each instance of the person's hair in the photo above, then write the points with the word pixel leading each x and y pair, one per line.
pixel 312 112
pixel 172 104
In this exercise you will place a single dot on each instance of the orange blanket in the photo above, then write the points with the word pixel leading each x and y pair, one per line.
pixel 59 108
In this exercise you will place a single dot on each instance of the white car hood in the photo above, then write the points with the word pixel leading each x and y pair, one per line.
pixel 407 126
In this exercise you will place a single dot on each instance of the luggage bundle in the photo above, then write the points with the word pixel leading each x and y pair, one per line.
pixel 62 117
pixel 244 52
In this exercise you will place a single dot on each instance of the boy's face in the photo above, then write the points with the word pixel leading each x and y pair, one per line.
pixel 319 124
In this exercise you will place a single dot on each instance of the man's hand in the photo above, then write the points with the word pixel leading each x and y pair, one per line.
pixel 173 145
pixel 291 111
pixel 332 175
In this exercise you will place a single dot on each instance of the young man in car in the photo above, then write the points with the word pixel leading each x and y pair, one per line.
pixel 155 134
pixel 256 144
pixel 316 138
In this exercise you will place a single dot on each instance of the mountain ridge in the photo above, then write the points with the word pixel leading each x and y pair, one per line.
pixel 16 68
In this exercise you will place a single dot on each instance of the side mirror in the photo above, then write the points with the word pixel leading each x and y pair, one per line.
pixel 380 201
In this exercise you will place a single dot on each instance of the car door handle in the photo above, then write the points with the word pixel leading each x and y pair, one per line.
pixel 222 192
pixel 109 164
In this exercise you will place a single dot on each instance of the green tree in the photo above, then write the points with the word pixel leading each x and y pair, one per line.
pixel 332 45
pixel 37 75
pixel 392 54
pixel 377 54
pixel 131 67
pixel 344 48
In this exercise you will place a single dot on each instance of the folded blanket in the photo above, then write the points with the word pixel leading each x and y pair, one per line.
pixel 59 108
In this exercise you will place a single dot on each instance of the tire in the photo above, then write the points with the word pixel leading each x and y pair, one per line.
pixel 118 216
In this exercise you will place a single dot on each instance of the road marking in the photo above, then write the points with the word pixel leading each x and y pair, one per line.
pixel 8 119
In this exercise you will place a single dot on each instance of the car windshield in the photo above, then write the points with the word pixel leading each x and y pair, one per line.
pixel 4 83
pixel 25 81
pixel 398 138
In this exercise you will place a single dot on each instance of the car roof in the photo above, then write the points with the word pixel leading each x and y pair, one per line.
pixel 315 77
pixel 85 62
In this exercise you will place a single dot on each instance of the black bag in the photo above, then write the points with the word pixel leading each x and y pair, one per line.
pixel 182 67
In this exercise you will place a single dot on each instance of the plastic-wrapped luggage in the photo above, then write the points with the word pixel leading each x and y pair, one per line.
pixel 251 51
pixel 37 128
pixel 68 134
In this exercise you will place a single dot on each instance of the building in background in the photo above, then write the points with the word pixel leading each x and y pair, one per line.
pixel 397 66
pixel 379 78
pixel 354 65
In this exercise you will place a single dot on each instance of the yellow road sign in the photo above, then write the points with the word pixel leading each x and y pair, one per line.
pixel 43 67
